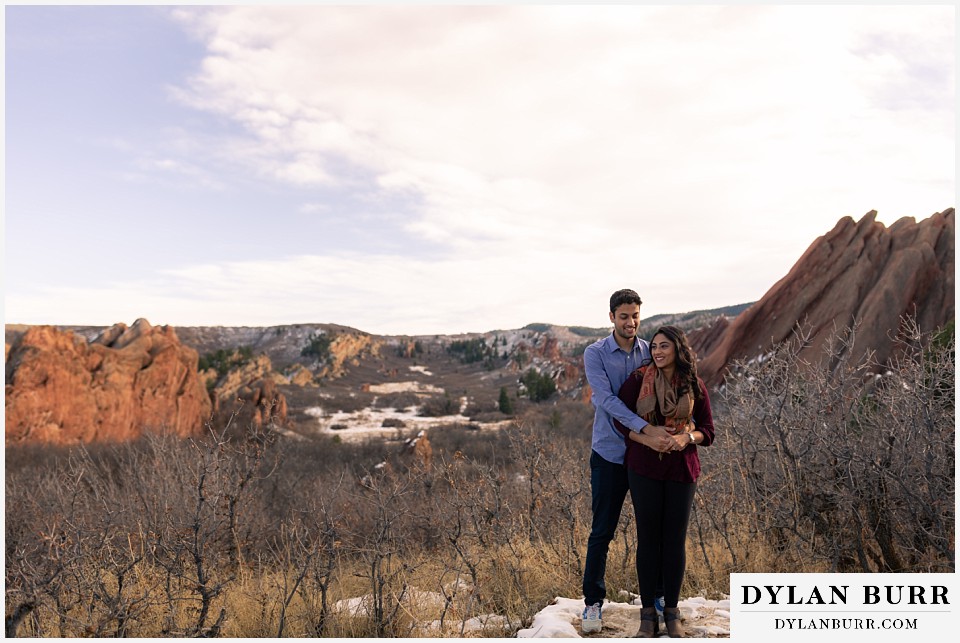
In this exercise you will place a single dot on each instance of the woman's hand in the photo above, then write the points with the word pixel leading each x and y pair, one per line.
pixel 680 441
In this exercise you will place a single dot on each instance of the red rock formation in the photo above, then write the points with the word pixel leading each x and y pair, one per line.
pixel 348 348
pixel 418 452
pixel 548 347
pixel 408 349
pixel 300 375
pixel 545 354
pixel 62 390
pixel 586 392
pixel 248 395
pixel 860 271
pixel 706 338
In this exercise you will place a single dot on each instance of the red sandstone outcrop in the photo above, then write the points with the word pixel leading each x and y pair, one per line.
pixel 418 451
pixel 248 394
pixel 300 375
pixel 548 348
pixel 416 454
pixel 859 272
pixel 409 349
pixel 349 348
pixel 545 354
pixel 704 339
pixel 62 390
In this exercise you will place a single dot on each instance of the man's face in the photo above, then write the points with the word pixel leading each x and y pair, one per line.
pixel 626 320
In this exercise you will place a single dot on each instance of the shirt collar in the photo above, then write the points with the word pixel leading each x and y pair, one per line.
pixel 613 346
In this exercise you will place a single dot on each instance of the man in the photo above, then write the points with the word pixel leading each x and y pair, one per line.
pixel 607 363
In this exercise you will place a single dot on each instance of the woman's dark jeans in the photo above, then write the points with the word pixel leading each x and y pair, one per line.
pixel 662 511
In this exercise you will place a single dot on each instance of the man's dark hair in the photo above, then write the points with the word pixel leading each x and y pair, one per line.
pixel 621 297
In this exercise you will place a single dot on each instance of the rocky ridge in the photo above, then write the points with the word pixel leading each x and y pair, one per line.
pixel 61 389
pixel 860 273
pixel 246 395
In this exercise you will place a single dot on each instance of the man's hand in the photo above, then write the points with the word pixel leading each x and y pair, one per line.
pixel 655 431
pixel 657 438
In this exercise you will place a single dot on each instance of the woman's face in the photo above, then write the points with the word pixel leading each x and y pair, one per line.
pixel 662 350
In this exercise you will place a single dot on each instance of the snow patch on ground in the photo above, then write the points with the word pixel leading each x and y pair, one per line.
pixel 363 605
pixel 424 602
pixel 490 623
pixel 701 618
pixel 420 369
pixel 369 422
pixel 405 387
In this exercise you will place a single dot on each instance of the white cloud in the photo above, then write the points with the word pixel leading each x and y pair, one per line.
pixel 601 110
pixel 396 294
pixel 557 153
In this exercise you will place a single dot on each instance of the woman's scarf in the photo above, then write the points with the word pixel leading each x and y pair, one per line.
pixel 658 393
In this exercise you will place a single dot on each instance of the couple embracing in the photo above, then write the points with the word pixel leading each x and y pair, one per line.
pixel 652 411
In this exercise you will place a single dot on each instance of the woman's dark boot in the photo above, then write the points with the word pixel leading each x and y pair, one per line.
pixel 649 623
pixel 671 618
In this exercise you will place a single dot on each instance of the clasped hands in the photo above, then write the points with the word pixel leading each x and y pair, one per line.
pixel 659 439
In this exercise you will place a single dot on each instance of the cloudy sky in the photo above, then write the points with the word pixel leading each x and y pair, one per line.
pixel 416 170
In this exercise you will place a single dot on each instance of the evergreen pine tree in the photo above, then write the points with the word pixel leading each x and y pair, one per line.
pixel 506 406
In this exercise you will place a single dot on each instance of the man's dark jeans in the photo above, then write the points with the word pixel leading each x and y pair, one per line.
pixel 608 483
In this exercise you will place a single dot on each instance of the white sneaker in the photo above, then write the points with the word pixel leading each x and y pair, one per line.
pixel 592 619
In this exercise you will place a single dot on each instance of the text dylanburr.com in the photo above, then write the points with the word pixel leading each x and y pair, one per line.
pixel 844 607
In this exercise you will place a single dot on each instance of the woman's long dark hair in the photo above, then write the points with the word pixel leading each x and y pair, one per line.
pixel 686 360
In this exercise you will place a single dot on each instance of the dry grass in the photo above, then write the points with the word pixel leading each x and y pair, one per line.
pixel 515 580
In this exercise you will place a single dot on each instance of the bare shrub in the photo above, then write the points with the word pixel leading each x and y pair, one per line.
pixel 76 552
pixel 838 465
pixel 122 533
pixel 439 406
pixel 384 532
pixel 398 401
pixel 484 536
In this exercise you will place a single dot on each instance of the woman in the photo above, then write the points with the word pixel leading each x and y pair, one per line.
pixel 662 468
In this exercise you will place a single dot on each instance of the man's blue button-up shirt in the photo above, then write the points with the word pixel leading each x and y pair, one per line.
pixel 607 367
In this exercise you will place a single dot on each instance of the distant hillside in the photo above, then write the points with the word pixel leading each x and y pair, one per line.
pixel 693 320
pixel 283 343
pixel 688 321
